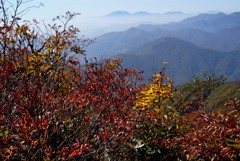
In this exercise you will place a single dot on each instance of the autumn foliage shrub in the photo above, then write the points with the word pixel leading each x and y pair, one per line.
pixel 157 118
pixel 92 119
pixel 173 131
pixel 209 136
pixel 53 107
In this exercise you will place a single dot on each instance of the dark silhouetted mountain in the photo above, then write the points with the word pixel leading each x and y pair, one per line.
pixel 185 60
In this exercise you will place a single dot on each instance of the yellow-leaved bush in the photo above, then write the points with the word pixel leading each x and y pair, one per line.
pixel 157 96
pixel 157 118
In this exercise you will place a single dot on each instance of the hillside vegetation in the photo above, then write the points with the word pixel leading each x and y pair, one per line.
pixel 52 107
pixel 220 96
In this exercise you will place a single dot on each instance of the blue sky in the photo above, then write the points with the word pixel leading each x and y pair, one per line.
pixel 94 8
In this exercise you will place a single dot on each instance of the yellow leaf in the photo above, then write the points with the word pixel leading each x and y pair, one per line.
pixel 177 126
pixel 165 116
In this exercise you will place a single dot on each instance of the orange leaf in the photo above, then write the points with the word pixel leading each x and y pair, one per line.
pixel 47 67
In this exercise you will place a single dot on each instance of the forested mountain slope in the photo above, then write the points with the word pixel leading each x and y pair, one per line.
pixel 185 60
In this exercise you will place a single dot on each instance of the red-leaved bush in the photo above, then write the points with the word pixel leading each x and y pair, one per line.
pixel 209 136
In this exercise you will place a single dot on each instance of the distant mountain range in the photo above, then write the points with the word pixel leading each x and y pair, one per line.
pixel 203 42
pixel 207 22
pixel 140 13
pixel 126 13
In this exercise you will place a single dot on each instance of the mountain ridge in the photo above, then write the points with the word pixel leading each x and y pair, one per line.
pixel 185 60
pixel 207 22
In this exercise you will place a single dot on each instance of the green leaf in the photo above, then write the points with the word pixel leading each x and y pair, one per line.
pixel 233 143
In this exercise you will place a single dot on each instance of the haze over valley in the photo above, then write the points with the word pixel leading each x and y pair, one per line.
pixel 121 20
